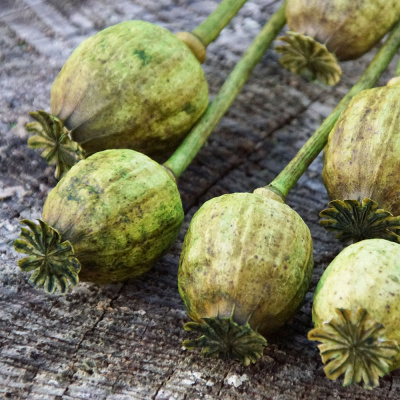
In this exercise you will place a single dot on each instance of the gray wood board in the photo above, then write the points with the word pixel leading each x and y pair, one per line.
pixel 123 341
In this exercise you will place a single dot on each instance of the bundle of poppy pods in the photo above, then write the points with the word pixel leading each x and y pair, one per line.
pixel 246 262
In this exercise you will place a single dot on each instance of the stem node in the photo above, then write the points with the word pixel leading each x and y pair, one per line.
pixel 194 44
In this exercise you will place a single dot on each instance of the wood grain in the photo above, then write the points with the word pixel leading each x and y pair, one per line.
pixel 123 341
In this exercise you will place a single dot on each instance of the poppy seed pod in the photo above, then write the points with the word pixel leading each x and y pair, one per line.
pixel 109 219
pixel 323 32
pixel 361 164
pixel 245 267
pixel 133 85
pixel 356 313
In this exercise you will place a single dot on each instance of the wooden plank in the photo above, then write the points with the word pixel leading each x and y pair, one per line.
pixel 123 341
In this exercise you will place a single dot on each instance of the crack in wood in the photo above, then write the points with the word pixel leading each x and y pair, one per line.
pixel 388 394
pixel 92 329
pixel 32 379
pixel 171 371
pixel 223 383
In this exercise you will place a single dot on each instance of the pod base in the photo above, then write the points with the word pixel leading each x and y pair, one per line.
pixel 354 221
pixel 355 345
pixel 225 338
pixel 305 56
pixel 51 259
pixel 52 136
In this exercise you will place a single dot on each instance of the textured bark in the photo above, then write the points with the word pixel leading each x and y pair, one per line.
pixel 123 341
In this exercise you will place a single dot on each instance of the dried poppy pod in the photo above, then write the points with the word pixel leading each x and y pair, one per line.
pixel 326 31
pixel 133 85
pixel 245 268
pixel 118 211
pixel 109 219
pixel 361 168
pixel 356 313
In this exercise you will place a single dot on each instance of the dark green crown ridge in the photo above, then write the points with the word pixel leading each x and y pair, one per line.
pixel 305 56
pixel 355 345
pixel 223 337
pixel 52 136
pixel 52 260
pixel 355 221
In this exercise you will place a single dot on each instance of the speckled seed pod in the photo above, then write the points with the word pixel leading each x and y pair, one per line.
pixel 133 85
pixel 356 312
pixel 324 31
pixel 361 165
pixel 114 214
pixel 245 268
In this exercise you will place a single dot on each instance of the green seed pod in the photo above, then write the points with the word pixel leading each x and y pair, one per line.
pixel 356 313
pixel 114 214
pixel 133 85
pixel 338 29
pixel 361 164
pixel 245 267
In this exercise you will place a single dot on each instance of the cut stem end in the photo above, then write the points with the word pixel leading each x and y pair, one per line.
pixel 51 259
pixel 355 221
pixel 303 55
pixel 355 345
pixel 52 136
pixel 223 337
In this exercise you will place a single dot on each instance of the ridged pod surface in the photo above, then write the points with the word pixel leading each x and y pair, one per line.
pixel 348 28
pixel 361 158
pixel 365 275
pixel 245 256
pixel 133 85
pixel 120 210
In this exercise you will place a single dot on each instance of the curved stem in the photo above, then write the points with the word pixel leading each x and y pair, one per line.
pixel 211 27
pixel 185 153
pixel 284 182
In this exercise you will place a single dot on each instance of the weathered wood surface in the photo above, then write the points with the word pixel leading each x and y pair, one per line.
pixel 123 341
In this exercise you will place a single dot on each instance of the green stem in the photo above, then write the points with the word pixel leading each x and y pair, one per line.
pixel 397 73
pixel 211 27
pixel 185 153
pixel 295 169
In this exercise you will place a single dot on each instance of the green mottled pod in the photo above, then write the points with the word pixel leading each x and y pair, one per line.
pixel 114 213
pixel 245 267
pixel 361 165
pixel 133 85
pixel 356 312
pixel 324 31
